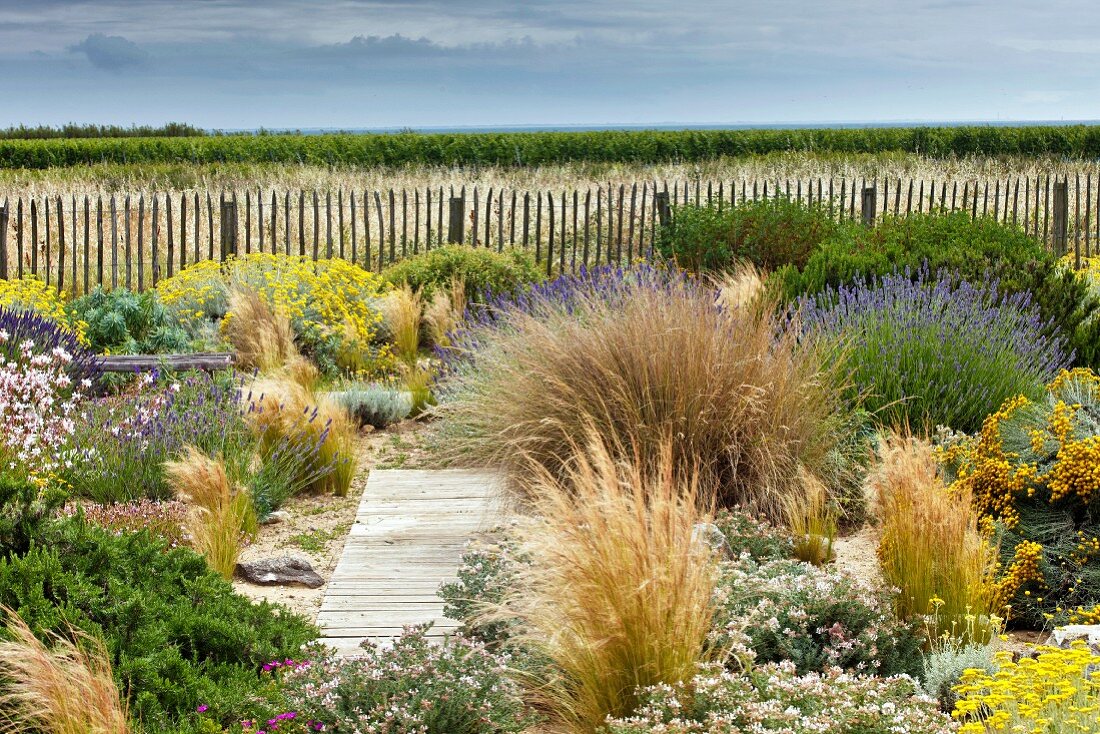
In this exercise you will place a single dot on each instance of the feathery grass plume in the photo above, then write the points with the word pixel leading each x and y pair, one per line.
pixel 65 689
pixel 220 515
pixel 282 410
pixel 619 592
pixel 743 286
pixel 262 337
pixel 402 309
pixel 644 354
pixel 444 312
pixel 931 547
pixel 812 520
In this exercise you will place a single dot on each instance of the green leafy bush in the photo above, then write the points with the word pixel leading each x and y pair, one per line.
pixel 790 611
pixel 978 251
pixel 122 322
pixel 769 233
pixel 774 698
pixel 456 687
pixel 482 271
pixel 748 534
pixel 178 636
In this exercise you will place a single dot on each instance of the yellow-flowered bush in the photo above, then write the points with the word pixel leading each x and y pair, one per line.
pixel 1056 692
pixel 1034 473
pixel 332 304
pixel 30 293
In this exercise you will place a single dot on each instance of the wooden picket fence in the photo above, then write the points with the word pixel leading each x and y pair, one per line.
pixel 136 240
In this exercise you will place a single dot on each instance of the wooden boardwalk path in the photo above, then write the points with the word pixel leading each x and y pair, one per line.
pixel 407 539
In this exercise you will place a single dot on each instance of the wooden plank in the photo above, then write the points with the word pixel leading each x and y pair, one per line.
pixel 129 252
pixel 168 229
pixel 34 236
pixel 208 361
pixel 61 246
pixel 152 242
pixel 99 240
pixel 114 245
pixel 140 244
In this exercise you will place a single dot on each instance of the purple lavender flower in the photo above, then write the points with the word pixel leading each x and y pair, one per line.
pixel 937 350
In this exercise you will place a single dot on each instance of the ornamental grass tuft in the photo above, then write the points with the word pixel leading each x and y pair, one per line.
pixel 646 356
pixel 618 594
pixel 66 688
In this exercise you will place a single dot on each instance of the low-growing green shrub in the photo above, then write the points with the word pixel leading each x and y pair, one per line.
pixel 978 251
pixel 456 687
pixel 375 404
pixel 754 536
pixel 768 233
pixel 177 634
pixel 122 322
pixel 815 618
pixel 481 271
pixel 775 698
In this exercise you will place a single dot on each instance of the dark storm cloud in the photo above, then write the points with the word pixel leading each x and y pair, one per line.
pixel 340 63
pixel 113 53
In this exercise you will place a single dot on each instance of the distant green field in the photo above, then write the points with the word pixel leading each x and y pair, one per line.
pixel 539 148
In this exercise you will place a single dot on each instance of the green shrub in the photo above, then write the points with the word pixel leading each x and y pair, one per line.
pixel 177 634
pixel 978 251
pixel 482 271
pixel 121 322
pixel 455 687
pixel 773 698
pixel 769 233
pixel 785 610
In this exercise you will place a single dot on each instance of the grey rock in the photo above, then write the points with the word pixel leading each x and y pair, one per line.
pixel 276 517
pixel 283 571
pixel 709 534
pixel 1065 636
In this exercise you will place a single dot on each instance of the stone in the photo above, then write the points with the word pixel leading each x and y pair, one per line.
pixel 276 517
pixel 283 571
pixel 715 539
pixel 1066 636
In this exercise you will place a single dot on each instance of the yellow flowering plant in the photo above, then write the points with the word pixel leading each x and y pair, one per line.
pixel 1034 473
pixel 333 305
pixel 1055 692
pixel 30 293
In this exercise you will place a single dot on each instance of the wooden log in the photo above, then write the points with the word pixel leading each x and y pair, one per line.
pixel 114 245
pixel 457 221
pixel 99 241
pixel 128 245
pixel 61 246
pixel 140 243
pixel 870 200
pixel 168 229
pixel 183 231
pixel 286 224
pixel 1060 216
pixel 46 241
pixel 205 361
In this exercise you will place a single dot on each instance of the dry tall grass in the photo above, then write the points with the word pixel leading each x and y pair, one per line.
pixel 402 309
pixel 743 287
pixel 812 520
pixel 262 337
pixel 745 403
pixel 444 313
pixel 618 595
pixel 66 689
pixel 220 515
pixel 287 410
pixel 930 547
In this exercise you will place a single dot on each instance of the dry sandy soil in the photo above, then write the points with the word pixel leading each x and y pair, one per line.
pixel 318 525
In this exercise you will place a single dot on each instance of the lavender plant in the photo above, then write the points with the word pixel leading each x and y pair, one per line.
pixel 936 351
pixel 123 442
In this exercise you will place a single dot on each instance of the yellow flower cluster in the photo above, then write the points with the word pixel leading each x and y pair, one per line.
pixel 1080 615
pixel 328 301
pixel 991 475
pixel 196 294
pixel 30 293
pixel 1090 268
pixel 1023 569
pixel 1056 691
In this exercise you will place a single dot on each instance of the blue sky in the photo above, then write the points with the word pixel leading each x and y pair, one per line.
pixel 418 63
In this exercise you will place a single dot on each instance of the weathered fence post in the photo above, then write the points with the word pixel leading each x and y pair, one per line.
pixel 1061 206
pixel 870 200
pixel 4 241
pixel 228 228
pixel 664 215
pixel 455 227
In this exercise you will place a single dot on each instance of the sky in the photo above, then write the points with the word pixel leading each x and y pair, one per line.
pixel 237 64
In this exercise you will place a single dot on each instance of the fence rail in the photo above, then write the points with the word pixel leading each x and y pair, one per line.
pixel 135 240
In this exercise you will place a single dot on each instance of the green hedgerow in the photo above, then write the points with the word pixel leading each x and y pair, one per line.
pixel 481 271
